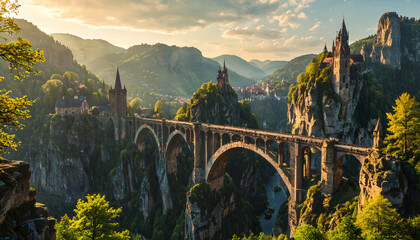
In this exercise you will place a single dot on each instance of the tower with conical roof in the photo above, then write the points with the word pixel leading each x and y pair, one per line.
pixel 341 63
pixel 118 98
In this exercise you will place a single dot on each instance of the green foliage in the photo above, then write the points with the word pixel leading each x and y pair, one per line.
pixel 183 114
pixel 379 220
pixel 53 90
pixel 307 232
pixel 21 59
pixel 281 79
pixel 313 77
pixel 158 110
pixel 135 106
pixel 93 220
pixel 252 236
pixel 404 128
pixel 346 230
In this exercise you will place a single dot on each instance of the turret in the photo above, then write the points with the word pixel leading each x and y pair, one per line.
pixel 378 135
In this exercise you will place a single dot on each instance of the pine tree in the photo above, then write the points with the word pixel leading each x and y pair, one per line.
pixel 404 128
pixel 379 220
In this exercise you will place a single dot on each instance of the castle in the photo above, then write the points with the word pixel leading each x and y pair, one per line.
pixel 340 63
pixel 222 78
pixel 118 99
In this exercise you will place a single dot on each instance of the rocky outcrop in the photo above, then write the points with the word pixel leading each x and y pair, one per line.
pixel 210 214
pixel 21 217
pixel 396 37
pixel 389 37
pixel 382 175
pixel 315 113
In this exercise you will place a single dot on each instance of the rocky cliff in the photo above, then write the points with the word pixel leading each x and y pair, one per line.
pixel 75 155
pixel 396 37
pixel 211 214
pixel 382 175
pixel 21 217
pixel 314 109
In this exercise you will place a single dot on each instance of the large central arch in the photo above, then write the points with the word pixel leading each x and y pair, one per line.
pixel 215 168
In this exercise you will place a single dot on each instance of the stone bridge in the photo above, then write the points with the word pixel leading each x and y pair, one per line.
pixel 213 145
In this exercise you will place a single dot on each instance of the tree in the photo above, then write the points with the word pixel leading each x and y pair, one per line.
pixel 93 220
pixel 159 110
pixel 379 220
pixel 307 232
pixel 21 59
pixel 134 105
pixel 346 230
pixel 404 128
pixel 53 90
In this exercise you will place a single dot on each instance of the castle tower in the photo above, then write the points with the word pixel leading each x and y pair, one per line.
pixel 378 135
pixel 341 63
pixel 222 78
pixel 118 99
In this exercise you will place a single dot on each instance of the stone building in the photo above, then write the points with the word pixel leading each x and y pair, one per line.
pixel 118 99
pixel 72 106
pixel 341 62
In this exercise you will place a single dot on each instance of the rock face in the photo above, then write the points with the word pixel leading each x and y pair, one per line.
pixel 396 37
pixel 389 36
pixel 21 217
pixel 382 175
pixel 210 214
pixel 316 114
pixel 72 162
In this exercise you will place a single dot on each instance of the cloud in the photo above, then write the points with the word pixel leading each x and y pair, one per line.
pixel 291 45
pixel 372 29
pixel 158 15
pixel 315 26
pixel 258 32
pixel 289 19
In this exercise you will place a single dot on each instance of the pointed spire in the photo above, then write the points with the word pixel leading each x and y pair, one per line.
pixel 118 80
pixel 224 66
pixel 325 48
pixel 343 29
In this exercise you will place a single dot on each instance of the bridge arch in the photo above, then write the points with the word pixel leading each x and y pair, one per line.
pixel 172 149
pixel 216 166
pixel 141 134
pixel 339 166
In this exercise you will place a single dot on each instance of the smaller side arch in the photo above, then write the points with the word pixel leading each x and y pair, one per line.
pixel 140 137
pixel 172 149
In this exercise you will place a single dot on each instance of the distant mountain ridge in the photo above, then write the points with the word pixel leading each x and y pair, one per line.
pixel 241 66
pixel 268 66
pixel 85 50
pixel 281 79
pixel 172 70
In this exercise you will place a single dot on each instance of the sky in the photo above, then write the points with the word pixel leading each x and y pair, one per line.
pixel 251 29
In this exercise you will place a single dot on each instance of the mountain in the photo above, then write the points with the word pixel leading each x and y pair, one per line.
pixel 85 50
pixel 283 77
pixel 241 66
pixel 172 70
pixel 268 66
